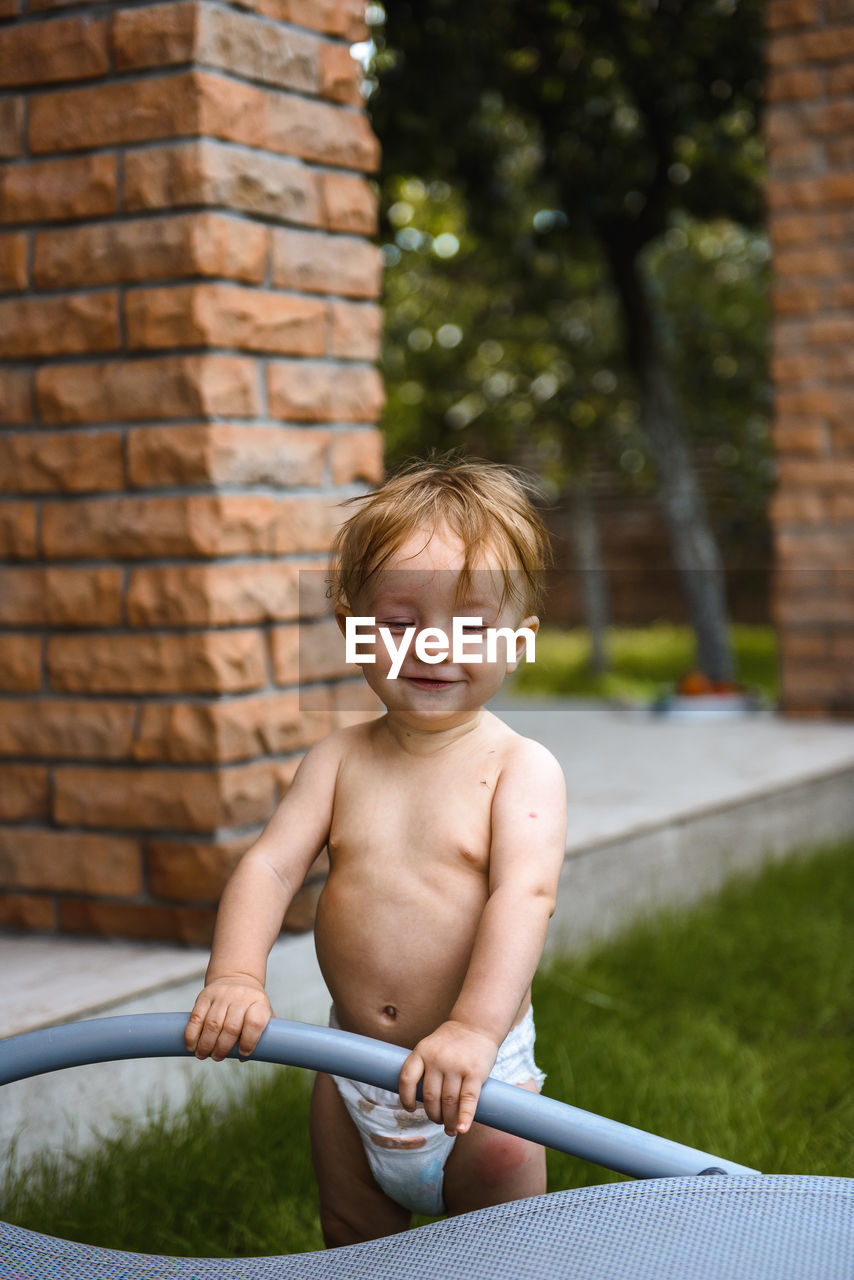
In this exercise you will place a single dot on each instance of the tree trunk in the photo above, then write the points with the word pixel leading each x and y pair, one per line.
pixel 588 557
pixel 695 550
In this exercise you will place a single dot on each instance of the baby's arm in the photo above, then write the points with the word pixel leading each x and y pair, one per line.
pixel 526 856
pixel 233 1004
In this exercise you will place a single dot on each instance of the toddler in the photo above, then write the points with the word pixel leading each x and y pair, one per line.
pixel 445 831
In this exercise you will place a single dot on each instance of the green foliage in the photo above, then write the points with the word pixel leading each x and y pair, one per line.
pixel 727 1027
pixel 206 1182
pixel 562 129
pixel 644 662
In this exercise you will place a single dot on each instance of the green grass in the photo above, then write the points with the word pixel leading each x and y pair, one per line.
pixel 643 662
pixel 729 1027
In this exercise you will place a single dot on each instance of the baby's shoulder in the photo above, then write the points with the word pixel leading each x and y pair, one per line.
pixel 521 756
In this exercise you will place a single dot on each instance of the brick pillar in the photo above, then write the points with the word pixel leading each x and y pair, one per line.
pixel 810 136
pixel 188 331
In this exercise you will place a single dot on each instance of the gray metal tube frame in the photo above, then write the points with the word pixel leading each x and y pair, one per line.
pixel 300 1044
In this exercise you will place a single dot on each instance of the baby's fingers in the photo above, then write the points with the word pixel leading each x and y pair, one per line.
pixel 196 1022
pixel 254 1021
pixel 469 1098
pixel 410 1074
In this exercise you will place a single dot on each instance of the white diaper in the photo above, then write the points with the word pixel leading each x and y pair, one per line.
pixel 406 1150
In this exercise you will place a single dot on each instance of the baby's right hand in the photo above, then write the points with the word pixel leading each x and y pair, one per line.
pixel 229 1011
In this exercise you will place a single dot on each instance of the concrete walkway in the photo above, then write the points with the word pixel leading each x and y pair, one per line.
pixel 659 811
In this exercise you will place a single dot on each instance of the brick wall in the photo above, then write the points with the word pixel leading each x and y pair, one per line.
pixel 188 331
pixel 810 135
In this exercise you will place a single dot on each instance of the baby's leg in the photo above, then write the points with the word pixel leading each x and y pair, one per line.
pixel 488 1167
pixel 352 1207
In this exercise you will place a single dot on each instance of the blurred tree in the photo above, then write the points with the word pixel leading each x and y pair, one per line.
pixel 628 115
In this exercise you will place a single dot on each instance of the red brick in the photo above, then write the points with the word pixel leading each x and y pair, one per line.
pixel 839 365
pixel 334 17
pixel 840 80
pixel 793 300
pixel 314 262
pixel 66 728
pixel 842 435
pixel 791 84
pixel 828 330
pixel 105 115
pixel 213 595
pixel 159 36
pixel 209 173
pixel 796 367
pixel 809 193
pixel 34 5
pixel 309 652
pixel 227 730
pixel 198 526
pixel 213 662
pixel 16 396
pixel 824 261
pixel 357 455
pixel 20 664
pixel 48 190
pixel 70 462
pixel 796 436
pixel 10 8
pixel 190 925
pixel 826 472
pixel 795 645
pixel 803 506
pixel 286 123
pixel 17 530
pixel 27 911
pixel 13 262
pixel 811 548
pixel 161 388
pixel 350 204
pixel 225 316
pixel 236 42
pixel 152 799
pixel 315 391
pixel 41 52
pixel 198 244
pixel 35 597
pixel 241 45
pixel 356 330
pixel 839 152
pixel 810 403
pixel 70 325
pixel 824 44
pixel 797 158
pixel 834 118
pixel 838 10
pixel 189 870
pixel 222 453
pixel 340 75
pixel 23 793
pixel 61 861
pixel 780 14
pixel 11 127
pixel 788 229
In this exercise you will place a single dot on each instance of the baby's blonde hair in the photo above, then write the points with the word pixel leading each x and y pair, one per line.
pixel 486 504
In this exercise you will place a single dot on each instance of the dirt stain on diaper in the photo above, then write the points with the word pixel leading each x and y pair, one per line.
pixel 394 1144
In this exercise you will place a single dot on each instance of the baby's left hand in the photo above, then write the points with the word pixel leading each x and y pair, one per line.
pixel 454 1061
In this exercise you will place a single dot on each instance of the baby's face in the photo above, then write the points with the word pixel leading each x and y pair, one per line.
pixel 417 588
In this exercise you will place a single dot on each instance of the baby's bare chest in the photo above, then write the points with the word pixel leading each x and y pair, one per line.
pixel 414 812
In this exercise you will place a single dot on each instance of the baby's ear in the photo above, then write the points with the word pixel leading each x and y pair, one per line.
pixel 532 622
pixel 342 612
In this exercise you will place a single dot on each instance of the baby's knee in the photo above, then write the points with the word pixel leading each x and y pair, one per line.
pixel 503 1158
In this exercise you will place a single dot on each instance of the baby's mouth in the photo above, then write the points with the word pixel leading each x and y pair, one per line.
pixel 429 682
